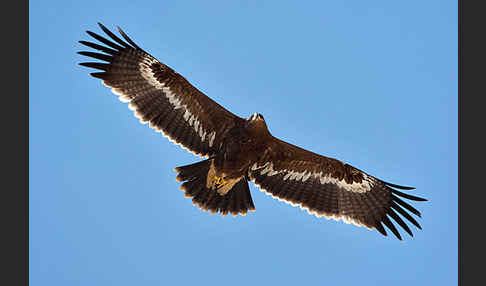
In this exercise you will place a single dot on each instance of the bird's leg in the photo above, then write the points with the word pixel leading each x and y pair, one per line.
pixel 219 181
pixel 215 180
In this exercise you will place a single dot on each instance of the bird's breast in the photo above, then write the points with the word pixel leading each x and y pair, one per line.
pixel 240 151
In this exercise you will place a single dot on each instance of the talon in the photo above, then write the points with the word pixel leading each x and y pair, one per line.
pixel 219 181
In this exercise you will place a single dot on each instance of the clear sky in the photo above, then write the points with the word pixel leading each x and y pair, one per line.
pixel 372 83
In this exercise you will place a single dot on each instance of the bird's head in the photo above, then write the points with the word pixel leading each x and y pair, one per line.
pixel 256 123
pixel 256 117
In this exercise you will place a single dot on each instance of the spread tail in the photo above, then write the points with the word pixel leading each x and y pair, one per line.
pixel 236 200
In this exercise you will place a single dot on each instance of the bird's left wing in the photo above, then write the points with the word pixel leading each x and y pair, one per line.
pixel 158 95
pixel 327 187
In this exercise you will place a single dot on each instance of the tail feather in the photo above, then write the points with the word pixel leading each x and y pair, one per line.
pixel 236 201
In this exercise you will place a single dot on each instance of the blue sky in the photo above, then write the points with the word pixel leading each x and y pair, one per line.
pixel 372 83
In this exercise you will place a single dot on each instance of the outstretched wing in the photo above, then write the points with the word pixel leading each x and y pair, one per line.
pixel 330 188
pixel 158 95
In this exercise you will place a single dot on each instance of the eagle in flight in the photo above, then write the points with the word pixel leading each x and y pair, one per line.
pixel 238 150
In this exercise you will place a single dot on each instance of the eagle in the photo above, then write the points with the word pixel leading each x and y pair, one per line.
pixel 237 150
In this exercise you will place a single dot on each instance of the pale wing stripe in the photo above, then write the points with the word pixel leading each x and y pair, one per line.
pixel 175 101
pixel 268 170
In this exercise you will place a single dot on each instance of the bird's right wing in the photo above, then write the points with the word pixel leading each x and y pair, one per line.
pixel 328 187
pixel 158 95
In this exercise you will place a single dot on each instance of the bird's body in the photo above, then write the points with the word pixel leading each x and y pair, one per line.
pixel 242 147
pixel 238 150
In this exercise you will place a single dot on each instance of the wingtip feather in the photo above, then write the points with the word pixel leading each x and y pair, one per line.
pixel 101 25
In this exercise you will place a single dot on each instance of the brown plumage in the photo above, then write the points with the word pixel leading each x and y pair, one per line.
pixel 238 150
